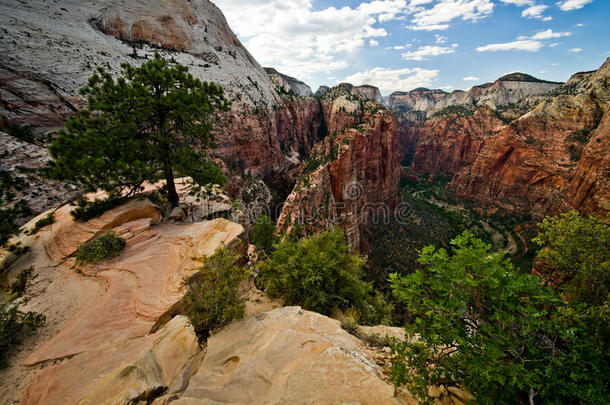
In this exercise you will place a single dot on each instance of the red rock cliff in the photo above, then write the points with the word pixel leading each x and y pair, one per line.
pixel 352 178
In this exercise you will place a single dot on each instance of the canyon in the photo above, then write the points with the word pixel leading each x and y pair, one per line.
pixel 114 331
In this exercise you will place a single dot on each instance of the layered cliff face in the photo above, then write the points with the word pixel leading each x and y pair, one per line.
pixel 352 176
pixel 540 156
pixel 48 51
pixel 287 83
pixel 507 90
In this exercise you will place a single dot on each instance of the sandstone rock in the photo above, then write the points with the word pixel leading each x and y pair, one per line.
pixel 286 356
pixel 358 173
pixel 177 214
pixel 134 370
pixel 104 317
pixel 48 51
pixel 507 90
pixel 288 83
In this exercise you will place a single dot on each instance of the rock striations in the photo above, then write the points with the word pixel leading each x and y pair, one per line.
pixel 528 154
pixel 352 176
pixel 48 51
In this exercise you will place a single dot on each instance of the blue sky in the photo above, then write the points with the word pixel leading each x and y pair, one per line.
pixel 398 45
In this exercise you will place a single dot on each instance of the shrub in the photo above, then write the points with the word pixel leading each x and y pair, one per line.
pixel 480 324
pixel 14 327
pixel 86 210
pixel 319 274
pixel 41 223
pixel 102 246
pixel 263 235
pixel 212 295
pixel 23 133
pixel 17 288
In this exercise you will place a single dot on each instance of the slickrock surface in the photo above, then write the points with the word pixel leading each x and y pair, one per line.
pixel 287 356
pixel 101 315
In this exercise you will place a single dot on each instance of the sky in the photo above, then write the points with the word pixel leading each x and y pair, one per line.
pixel 399 45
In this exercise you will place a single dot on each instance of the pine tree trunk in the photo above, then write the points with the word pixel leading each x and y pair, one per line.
pixel 172 195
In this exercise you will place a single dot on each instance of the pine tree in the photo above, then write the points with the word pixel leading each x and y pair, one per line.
pixel 152 122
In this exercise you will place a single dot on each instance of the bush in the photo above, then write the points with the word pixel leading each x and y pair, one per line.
pixel 86 210
pixel 23 133
pixel 14 327
pixel 263 235
pixel 480 324
pixel 503 335
pixel 102 246
pixel 41 223
pixel 212 298
pixel 17 288
pixel 319 274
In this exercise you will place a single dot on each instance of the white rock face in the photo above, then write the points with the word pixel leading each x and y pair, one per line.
pixel 289 83
pixel 49 49
pixel 503 92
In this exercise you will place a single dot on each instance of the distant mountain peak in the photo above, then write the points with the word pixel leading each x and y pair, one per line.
pixel 522 77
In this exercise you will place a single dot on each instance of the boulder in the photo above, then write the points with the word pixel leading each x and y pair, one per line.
pixel 286 356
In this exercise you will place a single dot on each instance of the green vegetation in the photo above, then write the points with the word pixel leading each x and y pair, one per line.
pixel 102 246
pixel 319 274
pixel 20 132
pixel 14 327
pixel 17 287
pixel 503 335
pixel 457 110
pixel 212 295
pixel 143 126
pixel 86 210
pixel 41 223
pixel 264 236
pixel 581 136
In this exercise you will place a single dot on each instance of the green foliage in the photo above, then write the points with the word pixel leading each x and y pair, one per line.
pixel 102 246
pixel 17 287
pixel 86 210
pixel 263 235
pixel 319 274
pixel 14 327
pixel 8 226
pixel 480 323
pixel 23 133
pixel 142 126
pixel 41 223
pixel 577 251
pixel 457 110
pixel 212 295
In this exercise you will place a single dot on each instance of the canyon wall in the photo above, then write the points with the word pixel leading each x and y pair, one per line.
pixel 49 50
pixel 519 147
pixel 352 176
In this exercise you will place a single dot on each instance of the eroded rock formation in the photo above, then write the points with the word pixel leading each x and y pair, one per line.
pixel 352 176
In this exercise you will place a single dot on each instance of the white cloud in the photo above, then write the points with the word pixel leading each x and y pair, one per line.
pixel 298 40
pixel 536 12
pixel 389 80
pixel 444 11
pixel 548 34
pixel 575 50
pixel 373 42
pixel 568 5
pixel 423 51
pixel 543 71
pixel 519 2
pixel 471 78
pixel 527 45
pixel 580 25
pixel 553 45
pixel 446 87
pixel 524 43
pixel 440 39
